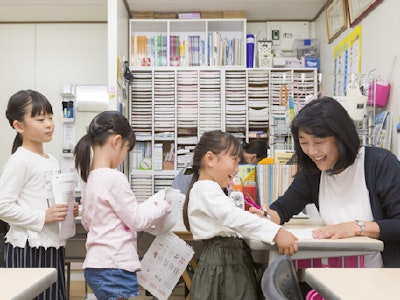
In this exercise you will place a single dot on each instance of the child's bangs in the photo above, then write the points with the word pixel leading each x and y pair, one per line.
pixel 234 148
pixel 40 105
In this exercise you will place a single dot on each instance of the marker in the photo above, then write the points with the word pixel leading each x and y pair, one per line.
pixel 252 203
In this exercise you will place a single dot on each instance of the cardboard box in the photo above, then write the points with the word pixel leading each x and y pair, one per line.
pixel 142 14
pixel 233 14
pixel 168 165
pixel 211 14
pixel 164 15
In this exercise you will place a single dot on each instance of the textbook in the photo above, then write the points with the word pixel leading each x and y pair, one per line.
pixel 383 130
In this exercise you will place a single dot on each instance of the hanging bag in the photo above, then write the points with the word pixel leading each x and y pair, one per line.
pixel 355 102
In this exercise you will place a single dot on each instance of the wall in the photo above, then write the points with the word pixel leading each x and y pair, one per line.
pixel 380 46
pixel 118 31
pixel 41 57
pixel 288 32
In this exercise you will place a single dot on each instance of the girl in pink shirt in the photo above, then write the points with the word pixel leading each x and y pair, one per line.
pixel 110 212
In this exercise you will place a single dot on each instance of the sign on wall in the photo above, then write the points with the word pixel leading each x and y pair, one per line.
pixel 347 57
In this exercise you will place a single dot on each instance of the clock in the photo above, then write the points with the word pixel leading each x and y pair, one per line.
pixel 145 163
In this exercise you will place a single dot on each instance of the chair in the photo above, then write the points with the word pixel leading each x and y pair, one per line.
pixel 279 280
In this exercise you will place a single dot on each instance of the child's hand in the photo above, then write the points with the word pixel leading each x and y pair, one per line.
pixel 286 242
pixel 272 215
pixel 76 209
pixel 256 211
pixel 172 196
pixel 56 213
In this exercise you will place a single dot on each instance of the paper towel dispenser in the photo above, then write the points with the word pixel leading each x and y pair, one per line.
pixel 91 98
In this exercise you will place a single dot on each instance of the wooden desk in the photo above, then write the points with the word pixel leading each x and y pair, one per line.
pixel 355 283
pixel 25 283
pixel 310 248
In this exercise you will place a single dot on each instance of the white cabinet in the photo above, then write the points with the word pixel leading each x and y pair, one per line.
pixel 172 107
pixel 194 42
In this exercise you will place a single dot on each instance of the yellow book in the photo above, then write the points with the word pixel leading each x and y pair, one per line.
pixel 281 157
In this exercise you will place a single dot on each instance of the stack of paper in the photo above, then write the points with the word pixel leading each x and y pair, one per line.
pixel 258 91
pixel 141 103
pixel 210 111
pixel 164 101
pixel 235 101
pixel 142 186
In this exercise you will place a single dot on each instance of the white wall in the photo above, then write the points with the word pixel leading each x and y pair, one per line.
pixel 41 57
pixel 289 32
pixel 380 45
pixel 118 33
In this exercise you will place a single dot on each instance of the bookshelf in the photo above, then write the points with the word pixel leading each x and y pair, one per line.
pixel 174 106
pixel 187 42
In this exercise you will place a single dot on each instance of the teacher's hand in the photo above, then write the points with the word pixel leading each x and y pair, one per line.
pixel 337 231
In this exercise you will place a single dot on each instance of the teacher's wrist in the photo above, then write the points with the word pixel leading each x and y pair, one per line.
pixel 361 228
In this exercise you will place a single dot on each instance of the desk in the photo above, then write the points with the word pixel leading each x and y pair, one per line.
pixel 310 248
pixel 25 283
pixel 354 283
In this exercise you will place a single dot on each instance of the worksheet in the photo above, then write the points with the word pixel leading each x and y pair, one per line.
pixel 64 193
pixel 163 264
pixel 303 234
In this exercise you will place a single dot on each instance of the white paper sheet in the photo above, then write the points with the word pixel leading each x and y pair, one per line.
pixel 163 264
pixel 303 233
pixel 168 221
pixel 64 193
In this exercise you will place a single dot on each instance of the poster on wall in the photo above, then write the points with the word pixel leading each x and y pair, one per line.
pixel 336 18
pixel 358 9
pixel 347 58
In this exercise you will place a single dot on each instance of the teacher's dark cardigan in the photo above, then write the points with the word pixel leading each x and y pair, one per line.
pixel 382 176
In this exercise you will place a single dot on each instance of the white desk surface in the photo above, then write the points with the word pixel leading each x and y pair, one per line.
pixel 25 283
pixel 312 248
pixel 355 283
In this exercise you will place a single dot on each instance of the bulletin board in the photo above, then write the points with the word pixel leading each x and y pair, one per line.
pixel 347 56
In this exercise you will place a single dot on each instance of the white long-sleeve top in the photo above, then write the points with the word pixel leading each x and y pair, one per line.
pixel 211 213
pixel 25 194
pixel 112 217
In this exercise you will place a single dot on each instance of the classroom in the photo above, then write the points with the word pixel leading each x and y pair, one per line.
pixel 176 70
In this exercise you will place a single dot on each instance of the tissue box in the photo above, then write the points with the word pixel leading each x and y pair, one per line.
pixel 311 62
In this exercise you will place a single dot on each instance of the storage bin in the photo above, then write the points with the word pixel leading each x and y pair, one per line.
pixel 382 94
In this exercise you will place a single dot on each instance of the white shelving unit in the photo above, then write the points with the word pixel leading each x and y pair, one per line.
pixel 190 76
pixel 173 106
pixel 194 42
pixel 67 92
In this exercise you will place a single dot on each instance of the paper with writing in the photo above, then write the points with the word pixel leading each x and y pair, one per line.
pixel 163 264
pixel 64 193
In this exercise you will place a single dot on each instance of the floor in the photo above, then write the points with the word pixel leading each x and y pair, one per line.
pixel 78 292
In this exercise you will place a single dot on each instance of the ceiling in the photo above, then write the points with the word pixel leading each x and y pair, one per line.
pixel 96 10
